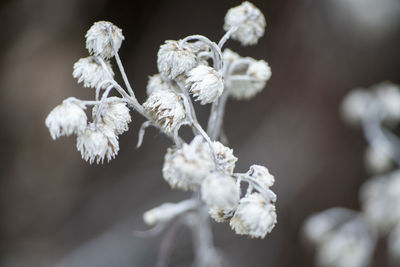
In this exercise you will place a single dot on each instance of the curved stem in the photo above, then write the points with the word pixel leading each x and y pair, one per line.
pixel 226 36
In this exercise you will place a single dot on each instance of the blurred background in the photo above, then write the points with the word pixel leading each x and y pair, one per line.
pixel 57 210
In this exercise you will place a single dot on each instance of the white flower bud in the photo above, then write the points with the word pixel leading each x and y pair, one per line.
pixel 98 42
pixel 377 159
pixel 91 72
pixel 254 216
pixel 166 108
pixel 206 84
pixel 175 58
pixel 247 85
pixel 160 214
pixel 349 246
pixel 187 167
pixel 355 105
pixel 67 118
pixel 261 175
pixel 219 190
pixel 380 199
pixel 156 83
pixel 229 56
pixel 389 96
pixel 225 157
pixel 96 143
pixel 249 20
pixel 115 115
pixel 221 215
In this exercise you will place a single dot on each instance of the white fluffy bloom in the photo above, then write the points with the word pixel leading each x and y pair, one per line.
pixel 115 115
pixel 249 20
pixel 394 244
pixel 219 190
pixel 380 199
pixel 254 216
pixel 349 246
pixel 377 159
pixel 91 72
pixel 156 83
pixel 225 157
pixel 388 95
pixel 96 143
pixel 261 175
pixel 249 79
pixel 175 58
pixel 166 108
pixel 354 106
pixel 67 118
pixel 206 84
pixel 98 41
pixel 187 167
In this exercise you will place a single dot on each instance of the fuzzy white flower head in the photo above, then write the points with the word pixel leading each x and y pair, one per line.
pixel 219 190
pixel 89 71
pixel 225 157
pixel 175 58
pixel 156 83
pixel 114 114
pixel 229 56
pixel 187 167
pixel 98 40
pixel 378 159
pixel 394 244
pixel 249 20
pixel 261 175
pixel 380 199
pixel 206 84
pixel 317 228
pixel 349 246
pixel 389 96
pixel 254 216
pixel 67 118
pixel 166 108
pixel 96 143
pixel 248 79
pixel 354 106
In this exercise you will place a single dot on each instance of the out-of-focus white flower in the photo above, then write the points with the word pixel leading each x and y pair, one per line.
pixel 186 168
pixel 248 78
pixel 166 108
pixel 219 190
pixel 167 211
pixel 156 83
pixel 91 72
pixel 261 175
pixel 377 159
pixel 205 83
pixel 67 118
pixel 96 143
pixel 221 215
pixel 98 40
pixel 249 20
pixel 254 216
pixel 394 244
pixel 388 95
pixel 175 58
pixel 380 199
pixel 115 115
pixel 317 228
pixel 349 246
pixel 225 158
pixel 354 106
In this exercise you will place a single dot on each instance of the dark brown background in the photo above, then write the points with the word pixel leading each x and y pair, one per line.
pixel 58 210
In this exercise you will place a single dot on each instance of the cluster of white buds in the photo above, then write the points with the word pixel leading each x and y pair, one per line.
pixel 373 108
pixel 347 238
pixel 190 69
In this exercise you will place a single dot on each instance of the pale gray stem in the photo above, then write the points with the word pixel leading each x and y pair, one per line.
pixel 226 36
